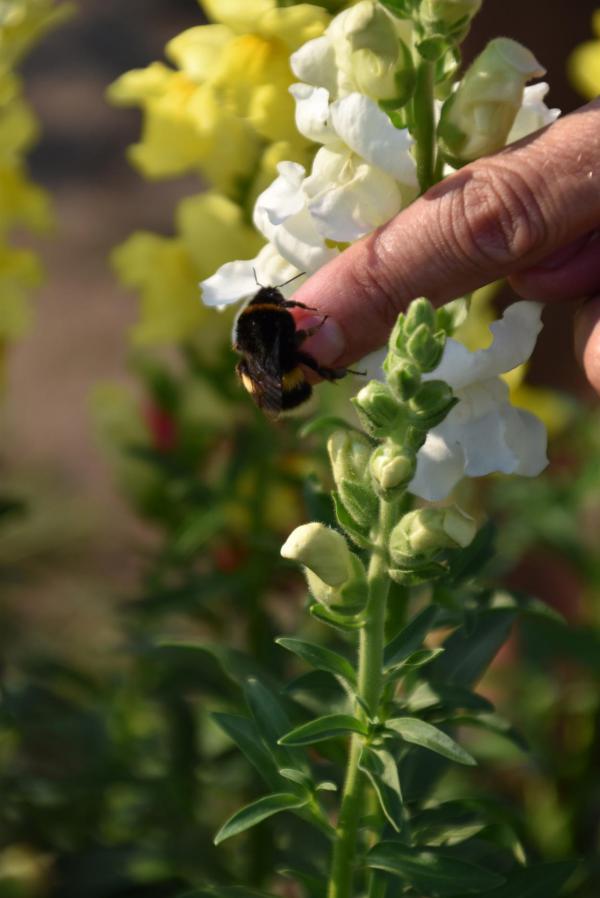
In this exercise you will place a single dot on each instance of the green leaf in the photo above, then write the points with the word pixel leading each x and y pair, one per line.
pixel 246 736
pixel 258 811
pixel 382 771
pixel 314 885
pixel 344 622
pixel 272 722
pixel 345 520
pixel 321 658
pixel 492 722
pixel 418 732
pixel 433 48
pixel 467 563
pixel 432 872
pixel 410 638
pixel 417 659
pixel 468 655
pixel 431 695
pixel 538 881
pixel 329 727
pixel 225 892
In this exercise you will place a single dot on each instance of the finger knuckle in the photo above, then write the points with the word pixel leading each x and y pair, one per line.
pixel 497 218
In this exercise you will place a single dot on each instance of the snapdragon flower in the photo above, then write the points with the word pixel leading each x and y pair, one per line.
pixel 483 433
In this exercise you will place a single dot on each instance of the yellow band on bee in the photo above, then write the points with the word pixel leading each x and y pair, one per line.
pixel 292 379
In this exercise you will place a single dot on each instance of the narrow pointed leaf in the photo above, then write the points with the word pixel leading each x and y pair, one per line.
pixel 448 696
pixel 538 881
pixel 417 659
pixel 343 517
pixel 431 872
pixel 418 732
pixel 468 654
pixel 331 726
pixel 411 637
pixel 492 722
pixel 382 771
pixel 321 658
pixel 344 622
pixel 225 892
pixel 246 736
pixel 272 722
pixel 258 811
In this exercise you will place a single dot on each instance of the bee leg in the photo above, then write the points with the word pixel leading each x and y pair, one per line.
pixel 303 335
pixel 292 304
pixel 326 373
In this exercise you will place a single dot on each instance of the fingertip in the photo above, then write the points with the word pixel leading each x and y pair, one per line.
pixel 587 339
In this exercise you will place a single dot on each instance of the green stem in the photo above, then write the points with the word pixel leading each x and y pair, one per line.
pixel 370 685
pixel 424 124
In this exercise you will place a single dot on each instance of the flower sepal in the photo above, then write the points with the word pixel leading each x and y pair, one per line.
pixel 378 410
pixel 431 403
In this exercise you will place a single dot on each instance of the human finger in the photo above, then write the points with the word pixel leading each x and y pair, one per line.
pixel 495 217
pixel 587 339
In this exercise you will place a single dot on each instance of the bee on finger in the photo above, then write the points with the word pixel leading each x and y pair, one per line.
pixel 271 367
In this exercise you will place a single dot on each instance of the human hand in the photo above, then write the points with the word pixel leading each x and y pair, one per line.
pixel 530 212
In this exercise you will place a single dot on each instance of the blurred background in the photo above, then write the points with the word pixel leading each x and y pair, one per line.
pixel 80 540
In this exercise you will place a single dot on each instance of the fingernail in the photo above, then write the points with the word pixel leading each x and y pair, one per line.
pixel 328 343
pixel 563 255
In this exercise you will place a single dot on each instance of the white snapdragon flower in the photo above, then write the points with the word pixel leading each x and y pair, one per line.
pixel 364 50
pixel 364 173
pixel 483 433
pixel 237 281
pixel 533 114
pixel 295 246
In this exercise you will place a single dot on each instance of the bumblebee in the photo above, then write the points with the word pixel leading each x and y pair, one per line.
pixel 266 337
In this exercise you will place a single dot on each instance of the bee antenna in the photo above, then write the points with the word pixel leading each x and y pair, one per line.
pixel 258 284
pixel 285 283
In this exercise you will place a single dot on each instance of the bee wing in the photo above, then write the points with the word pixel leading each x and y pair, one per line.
pixel 267 389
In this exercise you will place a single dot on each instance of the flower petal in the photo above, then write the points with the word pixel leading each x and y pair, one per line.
pixel 312 112
pixel 526 436
pixel 367 130
pixel 440 465
pixel 533 114
pixel 315 63
pixel 347 197
pixel 514 340
pixel 281 214
pixel 230 283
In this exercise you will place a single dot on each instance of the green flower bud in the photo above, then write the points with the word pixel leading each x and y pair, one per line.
pixel 403 378
pixel 322 550
pixel 420 311
pixel 392 468
pixel 372 47
pixel 425 348
pixel 378 410
pixel 431 403
pixel 440 14
pixel 349 453
pixel 477 118
pixel 422 534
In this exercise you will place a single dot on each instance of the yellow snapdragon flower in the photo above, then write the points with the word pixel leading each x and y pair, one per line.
pixel 22 203
pixel 227 97
pixel 166 270
pixel 584 63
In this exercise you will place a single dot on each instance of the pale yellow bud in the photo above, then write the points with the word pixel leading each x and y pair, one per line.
pixel 322 550
pixel 425 532
pixel 392 468
pixel 477 118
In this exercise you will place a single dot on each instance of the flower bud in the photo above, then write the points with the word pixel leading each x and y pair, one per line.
pixel 370 50
pixel 477 118
pixel 322 550
pixel 438 15
pixel 425 348
pixel 391 468
pixel 349 453
pixel 377 409
pixel 420 311
pixel 403 378
pixel 431 403
pixel 422 534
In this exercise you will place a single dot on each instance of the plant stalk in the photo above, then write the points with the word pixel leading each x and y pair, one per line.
pixel 370 686
pixel 424 124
